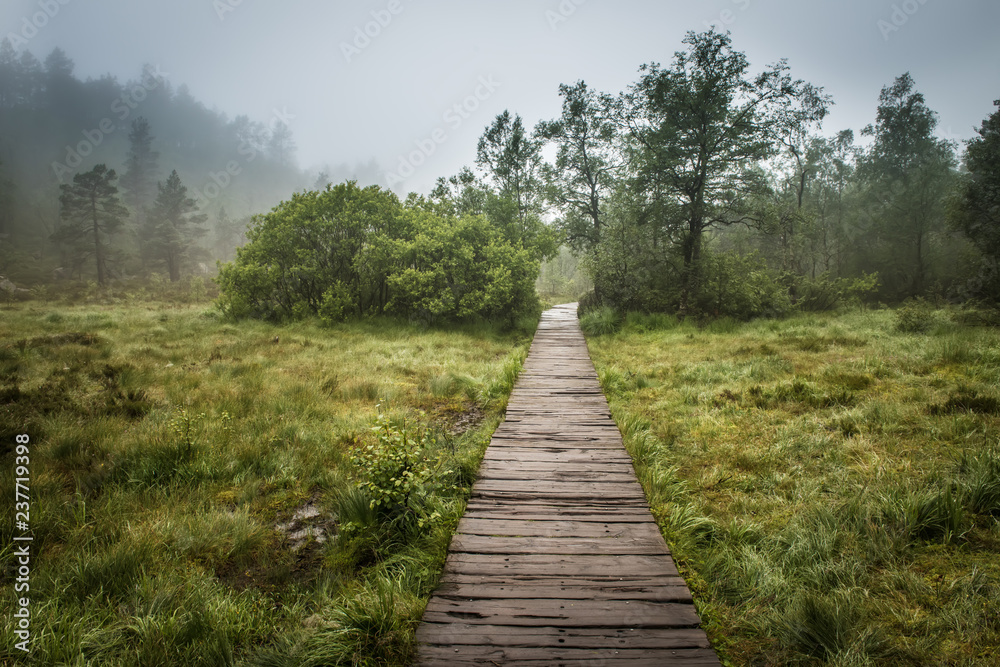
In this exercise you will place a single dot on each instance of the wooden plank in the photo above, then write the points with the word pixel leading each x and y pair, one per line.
pixel 493 544
pixel 564 613
pixel 663 589
pixel 521 637
pixel 548 515
pixel 534 580
pixel 557 560
pixel 555 455
pixel 574 655
pixel 561 658
pixel 473 525
pixel 562 565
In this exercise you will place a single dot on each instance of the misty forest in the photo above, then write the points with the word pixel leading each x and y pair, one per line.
pixel 258 394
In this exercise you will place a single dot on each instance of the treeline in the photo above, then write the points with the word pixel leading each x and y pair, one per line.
pixel 705 189
pixel 161 144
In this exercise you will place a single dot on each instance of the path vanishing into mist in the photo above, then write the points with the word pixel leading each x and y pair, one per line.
pixel 558 560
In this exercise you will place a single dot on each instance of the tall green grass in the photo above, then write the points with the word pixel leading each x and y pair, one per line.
pixel 828 484
pixel 191 479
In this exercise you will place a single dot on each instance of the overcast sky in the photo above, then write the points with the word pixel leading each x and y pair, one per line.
pixel 352 99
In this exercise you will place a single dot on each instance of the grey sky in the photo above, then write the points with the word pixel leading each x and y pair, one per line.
pixel 261 56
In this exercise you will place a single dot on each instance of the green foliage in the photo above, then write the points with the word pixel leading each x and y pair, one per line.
pixel 741 287
pixel 458 269
pixel 828 488
pixel 600 322
pixel 315 242
pixel 583 175
pixel 348 250
pixel 702 128
pixel 915 316
pixel 825 293
pixel 974 209
pixel 173 227
pixel 336 303
pixel 512 157
pixel 907 173
pixel 92 213
pixel 398 474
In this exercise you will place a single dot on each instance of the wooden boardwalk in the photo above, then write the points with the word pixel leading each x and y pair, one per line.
pixel 557 560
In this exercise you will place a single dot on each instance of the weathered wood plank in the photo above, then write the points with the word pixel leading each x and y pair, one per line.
pixel 474 525
pixel 563 546
pixel 521 637
pixel 664 589
pixel 557 560
pixel 571 657
pixel 563 565
pixel 564 613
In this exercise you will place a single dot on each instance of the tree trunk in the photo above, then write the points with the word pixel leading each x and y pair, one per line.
pixel 690 275
pixel 98 250
pixel 173 264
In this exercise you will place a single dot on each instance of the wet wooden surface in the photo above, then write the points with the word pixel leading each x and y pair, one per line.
pixel 557 560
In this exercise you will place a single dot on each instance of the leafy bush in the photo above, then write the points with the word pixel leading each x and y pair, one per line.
pixel 336 303
pixel 741 287
pixel 398 474
pixel 459 269
pixel 351 250
pixel 824 293
pixel 914 316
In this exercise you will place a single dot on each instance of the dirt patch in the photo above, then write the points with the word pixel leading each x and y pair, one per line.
pixel 308 524
pixel 466 421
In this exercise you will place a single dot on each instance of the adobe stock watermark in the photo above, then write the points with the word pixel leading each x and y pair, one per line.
pixel 727 17
pixel 122 109
pixel 219 181
pixel 365 34
pixel 562 13
pixel 453 118
pixel 223 7
pixel 900 16
pixel 31 25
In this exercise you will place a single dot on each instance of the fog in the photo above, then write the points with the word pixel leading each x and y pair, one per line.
pixel 368 83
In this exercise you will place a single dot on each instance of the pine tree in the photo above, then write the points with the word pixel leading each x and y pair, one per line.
pixel 92 212
pixel 281 146
pixel 9 74
pixel 139 180
pixel 174 226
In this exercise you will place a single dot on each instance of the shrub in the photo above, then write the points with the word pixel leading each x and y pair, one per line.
pixel 824 293
pixel 741 287
pixel 600 322
pixel 398 474
pixel 914 316
pixel 336 303
pixel 348 249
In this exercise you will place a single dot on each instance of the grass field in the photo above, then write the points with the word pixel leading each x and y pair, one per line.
pixel 830 485
pixel 195 500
